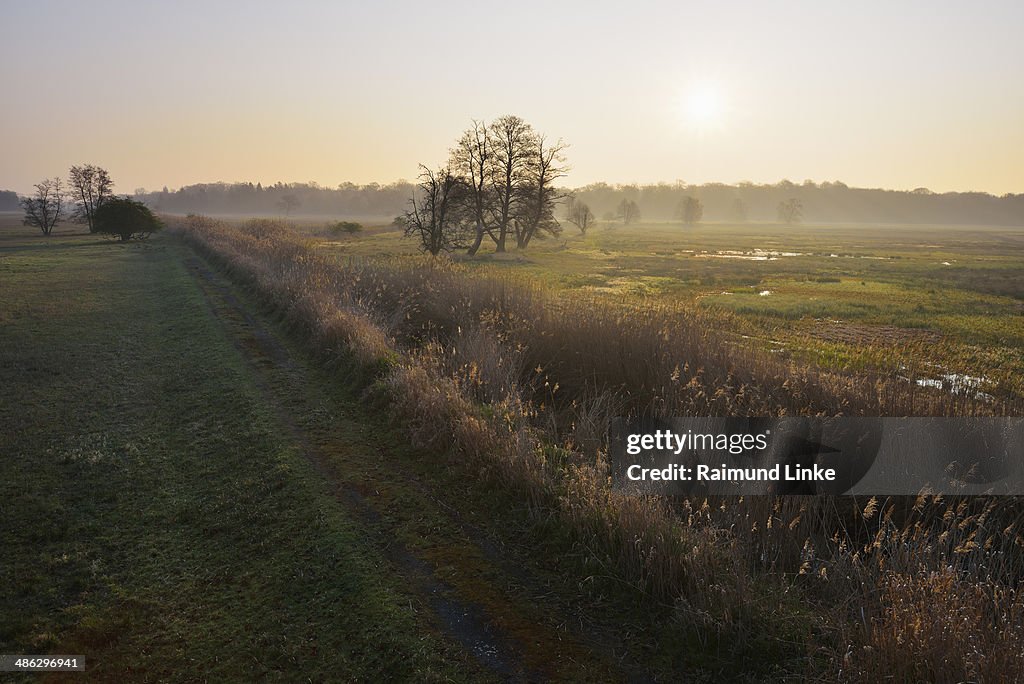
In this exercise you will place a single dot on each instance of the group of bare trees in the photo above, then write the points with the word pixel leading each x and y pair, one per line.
pixel 88 186
pixel 498 182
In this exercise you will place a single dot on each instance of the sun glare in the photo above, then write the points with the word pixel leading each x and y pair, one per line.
pixel 704 106
pixel 701 108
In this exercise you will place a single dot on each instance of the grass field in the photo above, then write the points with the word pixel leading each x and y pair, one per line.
pixel 155 515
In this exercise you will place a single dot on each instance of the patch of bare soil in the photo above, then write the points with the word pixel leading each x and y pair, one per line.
pixel 871 335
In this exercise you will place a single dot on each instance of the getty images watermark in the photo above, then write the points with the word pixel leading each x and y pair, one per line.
pixel 863 456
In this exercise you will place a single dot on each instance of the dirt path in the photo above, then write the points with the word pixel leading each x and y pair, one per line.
pixel 473 594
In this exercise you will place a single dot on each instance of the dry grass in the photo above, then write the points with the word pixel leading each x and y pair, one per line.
pixel 937 627
pixel 520 382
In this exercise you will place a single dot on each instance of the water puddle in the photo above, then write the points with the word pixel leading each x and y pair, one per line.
pixel 860 256
pixel 956 383
pixel 751 255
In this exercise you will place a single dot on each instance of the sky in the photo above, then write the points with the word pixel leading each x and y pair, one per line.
pixel 875 94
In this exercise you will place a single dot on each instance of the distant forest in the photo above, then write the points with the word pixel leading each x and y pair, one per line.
pixel 8 200
pixel 821 202
pixel 347 199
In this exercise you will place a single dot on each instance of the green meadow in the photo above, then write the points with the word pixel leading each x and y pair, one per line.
pixel 848 297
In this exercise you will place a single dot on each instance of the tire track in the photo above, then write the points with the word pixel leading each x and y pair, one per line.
pixel 468 623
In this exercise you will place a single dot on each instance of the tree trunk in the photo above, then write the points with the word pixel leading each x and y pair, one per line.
pixel 475 247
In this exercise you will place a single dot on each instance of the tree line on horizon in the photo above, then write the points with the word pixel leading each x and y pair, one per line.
pixel 820 202
pixel 825 202
pixel 347 199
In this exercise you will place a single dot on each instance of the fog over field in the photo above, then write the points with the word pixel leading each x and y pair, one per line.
pixel 829 202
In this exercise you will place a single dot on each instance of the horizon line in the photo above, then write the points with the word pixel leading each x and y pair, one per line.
pixel 615 185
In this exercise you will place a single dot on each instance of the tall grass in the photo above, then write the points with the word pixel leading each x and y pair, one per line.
pixel 520 382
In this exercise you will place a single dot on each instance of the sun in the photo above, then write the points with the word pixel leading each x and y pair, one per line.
pixel 704 106
pixel 701 108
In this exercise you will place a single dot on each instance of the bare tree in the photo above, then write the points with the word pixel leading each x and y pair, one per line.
pixel 690 210
pixel 508 173
pixel 43 209
pixel 471 158
pixel 539 197
pixel 91 187
pixel 628 211
pixel 437 219
pixel 579 214
pixel 288 203
pixel 791 211
pixel 513 146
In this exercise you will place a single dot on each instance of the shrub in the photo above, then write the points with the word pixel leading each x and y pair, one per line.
pixel 126 218
pixel 349 227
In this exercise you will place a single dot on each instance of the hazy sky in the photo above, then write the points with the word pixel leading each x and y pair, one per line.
pixel 877 94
